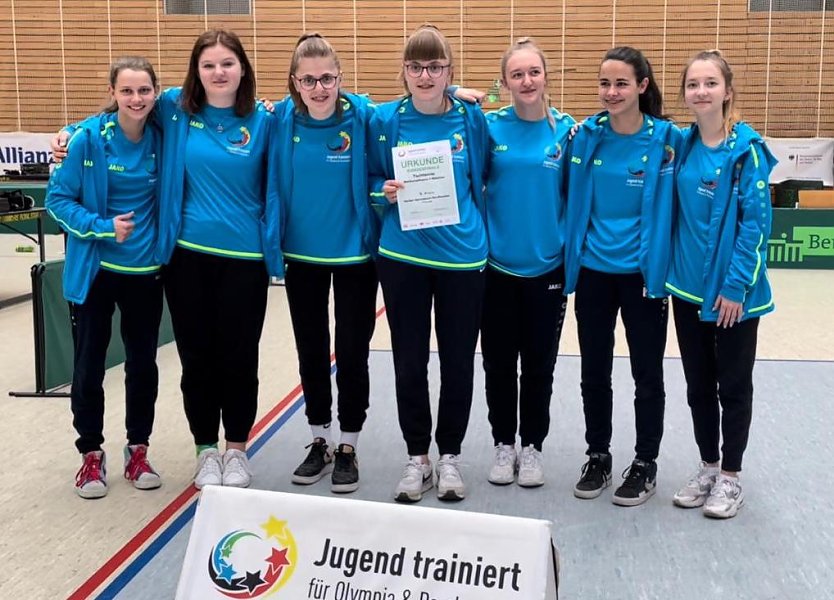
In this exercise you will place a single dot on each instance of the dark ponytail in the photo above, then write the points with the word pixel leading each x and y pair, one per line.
pixel 651 101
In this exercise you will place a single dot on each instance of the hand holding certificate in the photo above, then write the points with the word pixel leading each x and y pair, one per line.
pixel 429 198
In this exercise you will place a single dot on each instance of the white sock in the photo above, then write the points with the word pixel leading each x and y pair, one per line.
pixel 323 432
pixel 351 438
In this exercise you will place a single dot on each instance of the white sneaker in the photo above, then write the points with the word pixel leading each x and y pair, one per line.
pixel 449 482
pixel 696 490
pixel 209 469
pixel 415 481
pixel 530 468
pixel 504 466
pixel 236 471
pixel 725 498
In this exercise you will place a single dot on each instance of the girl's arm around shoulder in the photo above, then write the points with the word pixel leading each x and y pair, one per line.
pixel 65 191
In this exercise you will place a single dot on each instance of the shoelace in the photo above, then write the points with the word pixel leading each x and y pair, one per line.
pixel 503 456
pixel 529 460
pixel 138 463
pixel 700 479
pixel 413 468
pixel 590 468
pixel 632 476
pixel 89 471
pixel 317 444
pixel 448 468
pixel 318 451
pixel 236 464
pixel 723 488
pixel 210 460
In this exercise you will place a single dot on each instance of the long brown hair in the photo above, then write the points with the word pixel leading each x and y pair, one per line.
pixel 427 43
pixel 193 97
pixel 650 101
pixel 134 63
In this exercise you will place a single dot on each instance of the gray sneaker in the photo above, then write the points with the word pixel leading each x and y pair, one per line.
pixel 504 465
pixel 725 498
pixel 696 490
pixel 530 467
pixel 449 482
pixel 416 480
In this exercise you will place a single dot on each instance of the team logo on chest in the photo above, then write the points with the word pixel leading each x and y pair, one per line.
pixel 636 172
pixel 456 143
pixel 340 143
pixel 338 148
pixel 552 155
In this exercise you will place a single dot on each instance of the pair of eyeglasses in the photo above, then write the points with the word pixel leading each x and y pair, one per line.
pixel 416 69
pixel 308 82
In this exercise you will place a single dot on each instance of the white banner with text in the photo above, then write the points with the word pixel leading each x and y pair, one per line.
pixel 803 158
pixel 258 544
pixel 21 148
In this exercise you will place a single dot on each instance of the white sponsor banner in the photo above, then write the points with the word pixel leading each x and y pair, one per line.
pixel 803 158
pixel 257 544
pixel 23 148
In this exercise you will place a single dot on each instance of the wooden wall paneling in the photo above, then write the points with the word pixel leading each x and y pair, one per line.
pixel 374 67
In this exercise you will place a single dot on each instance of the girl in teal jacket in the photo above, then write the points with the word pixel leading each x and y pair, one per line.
pixel 718 277
pixel 619 228
pixel 440 266
pixel 524 301
pixel 220 238
pixel 105 196
pixel 329 239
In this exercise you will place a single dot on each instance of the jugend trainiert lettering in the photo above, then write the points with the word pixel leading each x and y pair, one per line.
pixel 16 155
pixel 443 569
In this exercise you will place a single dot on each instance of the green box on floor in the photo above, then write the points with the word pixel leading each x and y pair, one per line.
pixel 57 329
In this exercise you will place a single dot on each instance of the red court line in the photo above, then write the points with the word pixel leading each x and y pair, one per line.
pixel 120 557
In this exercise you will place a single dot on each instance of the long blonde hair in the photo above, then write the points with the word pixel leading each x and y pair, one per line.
pixel 527 43
pixel 728 109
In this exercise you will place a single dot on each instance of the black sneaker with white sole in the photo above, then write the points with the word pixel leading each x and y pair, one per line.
pixel 345 477
pixel 639 482
pixel 319 462
pixel 596 476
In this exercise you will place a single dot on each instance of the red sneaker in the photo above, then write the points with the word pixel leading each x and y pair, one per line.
pixel 91 479
pixel 138 470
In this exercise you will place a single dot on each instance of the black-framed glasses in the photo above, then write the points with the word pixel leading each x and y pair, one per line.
pixel 416 69
pixel 308 82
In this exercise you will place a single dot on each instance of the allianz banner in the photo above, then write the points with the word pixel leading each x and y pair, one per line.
pixel 21 148
pixel 258 544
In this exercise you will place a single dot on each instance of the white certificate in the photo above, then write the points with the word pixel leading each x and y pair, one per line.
pixel 429 198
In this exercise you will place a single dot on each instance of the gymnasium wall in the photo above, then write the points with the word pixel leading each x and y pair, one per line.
pixel 54 54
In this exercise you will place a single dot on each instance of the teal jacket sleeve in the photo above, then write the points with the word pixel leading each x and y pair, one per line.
pixel 378 145
pixel 754 222
pixel 272 221
pixel 64 195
